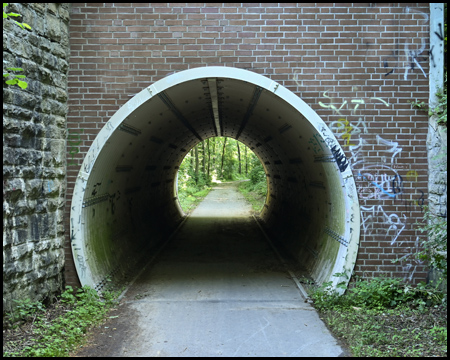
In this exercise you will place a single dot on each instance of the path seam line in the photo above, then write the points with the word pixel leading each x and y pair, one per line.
pixel 291 274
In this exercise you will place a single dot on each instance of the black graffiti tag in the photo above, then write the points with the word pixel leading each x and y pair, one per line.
pixel 341 160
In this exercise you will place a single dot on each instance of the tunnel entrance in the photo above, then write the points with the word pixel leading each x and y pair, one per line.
pixel 123 206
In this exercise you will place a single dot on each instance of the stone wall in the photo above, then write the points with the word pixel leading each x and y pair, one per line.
pixel 34 131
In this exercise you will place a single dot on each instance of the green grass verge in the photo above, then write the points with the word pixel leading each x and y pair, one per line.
pixel 34 331
pixel 190 198
pixel 403 331
pixel 386 317
pixel 254 194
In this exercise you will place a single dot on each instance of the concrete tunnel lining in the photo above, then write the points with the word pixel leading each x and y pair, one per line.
pixel 124 203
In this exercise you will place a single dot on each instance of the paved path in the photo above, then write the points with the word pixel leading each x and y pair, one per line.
pixel 216 289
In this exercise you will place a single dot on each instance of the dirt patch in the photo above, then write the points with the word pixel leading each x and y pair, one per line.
pixel 107 338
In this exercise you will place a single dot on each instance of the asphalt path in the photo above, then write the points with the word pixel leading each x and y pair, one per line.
pixel 216 289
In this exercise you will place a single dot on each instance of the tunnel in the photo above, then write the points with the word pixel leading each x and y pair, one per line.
pixel 125 204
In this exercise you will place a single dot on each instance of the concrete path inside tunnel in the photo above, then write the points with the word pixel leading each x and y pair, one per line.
pixel 216 289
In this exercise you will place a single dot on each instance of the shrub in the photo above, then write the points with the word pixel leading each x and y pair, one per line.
pixel 435 247
pixel 378 293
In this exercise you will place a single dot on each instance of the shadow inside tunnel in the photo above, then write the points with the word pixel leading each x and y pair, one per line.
pixel 216 253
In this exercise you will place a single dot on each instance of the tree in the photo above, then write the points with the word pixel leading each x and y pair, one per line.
pixel 223 156
pixel 196 163
pixel 239 156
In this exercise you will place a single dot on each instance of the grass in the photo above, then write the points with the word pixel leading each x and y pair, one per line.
pixel 403 331
pixel 379 318
pixel 255 194
pixel 192 196
pixel 32 330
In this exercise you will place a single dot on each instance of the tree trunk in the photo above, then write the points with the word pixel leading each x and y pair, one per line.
pixel 245 156
pixel 214 151
pixel 196 164
pixel 223 156
pixel 209 157
pixel 203 158
pixel 239 156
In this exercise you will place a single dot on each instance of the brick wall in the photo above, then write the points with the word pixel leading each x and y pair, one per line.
pixel 357 65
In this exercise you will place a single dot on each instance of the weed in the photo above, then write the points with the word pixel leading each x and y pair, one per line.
pixel 386 317
pixel 439 334
pixel 82 310
pixel 255 194
pixel 191 196
pixel 25 310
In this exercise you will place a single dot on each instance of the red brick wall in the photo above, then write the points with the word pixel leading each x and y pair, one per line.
pixel 357 65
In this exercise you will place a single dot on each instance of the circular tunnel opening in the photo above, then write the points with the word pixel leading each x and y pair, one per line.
pixel 124 203
pixel 216 160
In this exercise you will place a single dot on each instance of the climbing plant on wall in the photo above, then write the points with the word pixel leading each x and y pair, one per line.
pixel 9 74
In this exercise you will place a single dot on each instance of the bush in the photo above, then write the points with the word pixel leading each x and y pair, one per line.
pixel 25 310
pixel 435 246
pixel 378 293
pixel 58 336
pixel 257 174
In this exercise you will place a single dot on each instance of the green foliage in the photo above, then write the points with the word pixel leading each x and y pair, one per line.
pixel 7 15
pixel 400 332
pixel 439 333
pixel 255 190
pixel 385 317
pixel 377 293
pixel 25 310
pixel 435 246
pixel 255 194
pixel 257 175
pixel 59 336
pixel 440 111
pixel 14 78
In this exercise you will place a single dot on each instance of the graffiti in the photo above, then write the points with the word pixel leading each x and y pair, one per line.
pixel 421 199
pixel 412 175
pixel 397 185
pixel 355 103
pixel 440 35
pixel 343 129
pixel 88 162
pixel 74 134
pixel 382 183
pixel 331 106
pixel 94 192
pixel 409 205
pixel 316 141
pixel 411 262
pixel 349 185
pixel 341 160
pixel 394 148
pixel 372 215
pixel 386 155
pixel 373 158
pixel 411 51
pixel 81 265
pixel 112 199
